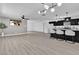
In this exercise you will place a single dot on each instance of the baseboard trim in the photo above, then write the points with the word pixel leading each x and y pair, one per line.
pixel 20 33
pixel 17 34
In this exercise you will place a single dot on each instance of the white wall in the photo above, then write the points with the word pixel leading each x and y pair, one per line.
pixel 26 26
pixel 14 29
pixel 34 26
pixel 39 26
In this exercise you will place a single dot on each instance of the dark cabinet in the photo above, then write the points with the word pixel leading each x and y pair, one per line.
pixel 60 23
pixel 74 21
pixel 67 21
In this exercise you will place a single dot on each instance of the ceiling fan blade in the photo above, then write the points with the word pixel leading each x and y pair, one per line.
pixel 23 17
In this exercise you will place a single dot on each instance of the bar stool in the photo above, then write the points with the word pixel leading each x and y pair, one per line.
pixel 52 33
pixel 60 34
pixel 70 36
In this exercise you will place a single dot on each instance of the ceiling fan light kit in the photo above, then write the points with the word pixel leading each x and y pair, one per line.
pixel 23 18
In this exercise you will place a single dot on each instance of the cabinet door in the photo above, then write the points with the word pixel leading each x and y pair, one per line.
pixel 74 22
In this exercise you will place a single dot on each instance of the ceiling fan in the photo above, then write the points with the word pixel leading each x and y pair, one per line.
pixel 24 18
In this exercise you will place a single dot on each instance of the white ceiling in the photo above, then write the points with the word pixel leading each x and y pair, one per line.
pixel 30 10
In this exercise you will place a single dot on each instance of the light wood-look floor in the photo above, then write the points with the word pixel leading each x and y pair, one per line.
pixel 36 44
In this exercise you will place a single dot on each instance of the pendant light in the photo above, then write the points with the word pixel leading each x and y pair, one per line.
pixel 67 16
pixel 46 7
pixel 56 17
pixel 52 9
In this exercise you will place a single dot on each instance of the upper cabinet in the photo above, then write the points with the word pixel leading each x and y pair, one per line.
pixel 74 21
pixel 67 19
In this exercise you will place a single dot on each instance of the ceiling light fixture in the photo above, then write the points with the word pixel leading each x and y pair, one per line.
pixel 67 13
pixel 59 4
pixel 67 16
pixel 24 18
pixel 38 12
pixel 42 12
pixel 46 7
pixel 49 7
pixel 52 9
pixel 56 17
